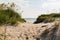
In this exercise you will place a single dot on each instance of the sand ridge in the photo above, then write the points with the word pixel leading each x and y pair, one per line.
pixel 24 31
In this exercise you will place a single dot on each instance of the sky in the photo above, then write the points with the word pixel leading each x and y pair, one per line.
pixel 34 8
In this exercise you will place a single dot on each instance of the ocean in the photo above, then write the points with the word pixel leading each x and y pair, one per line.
pixel 30 19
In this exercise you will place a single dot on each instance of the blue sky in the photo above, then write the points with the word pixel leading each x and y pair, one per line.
pixel 33 8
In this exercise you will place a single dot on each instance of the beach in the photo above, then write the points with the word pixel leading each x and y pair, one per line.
pixel 24 31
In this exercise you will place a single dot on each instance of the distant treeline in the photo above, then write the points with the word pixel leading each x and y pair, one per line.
pixel 47 17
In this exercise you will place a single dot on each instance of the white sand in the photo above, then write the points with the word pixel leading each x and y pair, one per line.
pixel 23 31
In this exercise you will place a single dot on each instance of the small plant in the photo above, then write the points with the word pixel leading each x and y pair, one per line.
pixel 47 18
pixel 9 16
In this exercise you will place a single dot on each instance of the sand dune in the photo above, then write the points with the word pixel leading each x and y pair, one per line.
pixel 24 31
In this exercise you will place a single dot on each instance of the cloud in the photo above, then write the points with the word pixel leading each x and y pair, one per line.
pixel 21 4
pixel 33 8
pixel 51 0
pixel 51 6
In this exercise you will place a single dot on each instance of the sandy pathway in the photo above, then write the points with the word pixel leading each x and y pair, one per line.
pixel 24 31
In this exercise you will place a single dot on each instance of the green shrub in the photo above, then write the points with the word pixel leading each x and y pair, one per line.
pixel 9 16
pixel 47 18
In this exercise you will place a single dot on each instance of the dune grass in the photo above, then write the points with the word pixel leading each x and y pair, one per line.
pixel 9 16
pixel 47 17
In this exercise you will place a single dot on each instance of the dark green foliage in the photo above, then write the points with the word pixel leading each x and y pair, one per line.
pixel 9 16
pixel 47 17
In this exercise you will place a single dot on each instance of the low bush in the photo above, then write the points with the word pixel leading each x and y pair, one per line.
pixel 47 18
pixel 9 16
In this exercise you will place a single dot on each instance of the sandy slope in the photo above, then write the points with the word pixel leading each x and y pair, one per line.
pixel 24 31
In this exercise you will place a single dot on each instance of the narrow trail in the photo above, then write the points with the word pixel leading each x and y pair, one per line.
pixel 28 31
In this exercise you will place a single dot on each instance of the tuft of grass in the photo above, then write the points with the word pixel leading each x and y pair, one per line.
pixel 47 18
pixel 9 16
